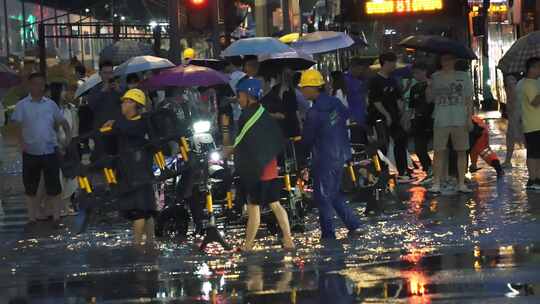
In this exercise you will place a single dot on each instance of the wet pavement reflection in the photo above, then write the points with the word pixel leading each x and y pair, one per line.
pixel 479 248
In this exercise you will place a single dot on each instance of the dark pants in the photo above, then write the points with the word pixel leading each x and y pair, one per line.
pixel 423 134
pixel 327 192
pixel 400 147
pixel 33 166
pixel 421 142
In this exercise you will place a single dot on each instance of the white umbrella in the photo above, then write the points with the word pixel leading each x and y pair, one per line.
pixel 142 64
pixel 87 85
pixel 323 42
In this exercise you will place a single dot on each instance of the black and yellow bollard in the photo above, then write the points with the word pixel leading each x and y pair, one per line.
pixel 210 203
pixel 229 200
pixel 287 181
pixel 352 174
pixel 110 176
pixel 159 159
pixel 84 184
pixel 376 163
pixel 211 232
pixel 184 148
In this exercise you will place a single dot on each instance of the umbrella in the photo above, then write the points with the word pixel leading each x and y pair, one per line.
pixel 88 85
pixel 294 60
pixel 142 64
pixel 186 76
pixel 323 42
pixel 255 46
pixel 438 45
pixel 8 77
pixel 524 48
pixel 123 50
pixel 289 38
pixel 215 64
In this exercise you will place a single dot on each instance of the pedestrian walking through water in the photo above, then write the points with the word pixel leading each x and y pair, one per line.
pixel 256 148
pixel 138 204
pixel 326 136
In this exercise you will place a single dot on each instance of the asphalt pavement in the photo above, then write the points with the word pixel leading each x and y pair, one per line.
pixel 478 248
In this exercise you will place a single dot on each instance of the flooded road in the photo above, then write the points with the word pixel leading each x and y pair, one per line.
pixel 479 248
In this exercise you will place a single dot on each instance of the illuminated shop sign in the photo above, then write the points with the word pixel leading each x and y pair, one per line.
pixel 379 7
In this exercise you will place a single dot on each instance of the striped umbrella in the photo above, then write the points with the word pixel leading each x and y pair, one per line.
pixel 523 49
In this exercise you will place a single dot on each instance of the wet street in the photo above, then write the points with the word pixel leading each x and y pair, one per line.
pixel 479 248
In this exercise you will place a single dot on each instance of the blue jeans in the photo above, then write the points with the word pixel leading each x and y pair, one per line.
pixel 327 191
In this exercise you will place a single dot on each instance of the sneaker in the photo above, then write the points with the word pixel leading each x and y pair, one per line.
pixel 435 189
pixel 464 189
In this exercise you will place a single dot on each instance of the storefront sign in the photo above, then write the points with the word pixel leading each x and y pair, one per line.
pixel 379 7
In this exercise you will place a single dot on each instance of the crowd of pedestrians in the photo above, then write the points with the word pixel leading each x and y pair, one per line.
pixel 434 108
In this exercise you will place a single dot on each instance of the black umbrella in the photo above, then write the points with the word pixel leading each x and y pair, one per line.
pixel 216 64
pixel 438 45
pixel 122 50
pixel 294 60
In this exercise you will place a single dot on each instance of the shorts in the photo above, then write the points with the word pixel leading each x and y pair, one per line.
pixel 264 192
pixel 459 136
pixel 33 166
pixel 134 214
pixel 532 143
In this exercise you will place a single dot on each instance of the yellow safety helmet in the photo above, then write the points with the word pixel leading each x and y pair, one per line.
pixel 136 95
pixel 311 78
pixel 189 53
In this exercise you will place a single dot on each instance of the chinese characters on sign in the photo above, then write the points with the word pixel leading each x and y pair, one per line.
pixel 374 7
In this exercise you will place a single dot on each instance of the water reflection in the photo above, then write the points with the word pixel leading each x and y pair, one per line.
pixel 450 247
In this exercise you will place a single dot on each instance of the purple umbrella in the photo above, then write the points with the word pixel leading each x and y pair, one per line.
pixel 186 76
pixel 8 77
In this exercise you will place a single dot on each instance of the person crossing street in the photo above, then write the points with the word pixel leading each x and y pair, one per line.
pixel 326 136
pixel 256 149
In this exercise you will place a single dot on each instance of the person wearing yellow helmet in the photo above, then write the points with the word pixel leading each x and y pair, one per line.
pixel 325 134
pixel 138 204
pixel 189 54
pixel 133 103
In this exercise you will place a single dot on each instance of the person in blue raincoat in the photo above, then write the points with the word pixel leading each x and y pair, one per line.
pixel 326 136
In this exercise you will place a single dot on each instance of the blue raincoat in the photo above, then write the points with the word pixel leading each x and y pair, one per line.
pixel 325 135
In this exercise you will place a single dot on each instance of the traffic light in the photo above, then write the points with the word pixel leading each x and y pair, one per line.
pixel 198 14
pixel 198 2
